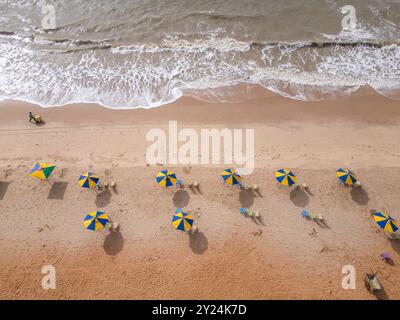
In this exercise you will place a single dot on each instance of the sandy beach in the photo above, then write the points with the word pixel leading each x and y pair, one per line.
pixel 231 257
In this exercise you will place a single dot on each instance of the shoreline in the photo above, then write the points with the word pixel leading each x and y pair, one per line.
pixel 229 95
pixel 261 104
pixel 285 262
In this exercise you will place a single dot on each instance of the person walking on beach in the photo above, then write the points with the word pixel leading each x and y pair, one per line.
pixel 31 117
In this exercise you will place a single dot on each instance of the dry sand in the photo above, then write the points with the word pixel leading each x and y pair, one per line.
pixel 41 223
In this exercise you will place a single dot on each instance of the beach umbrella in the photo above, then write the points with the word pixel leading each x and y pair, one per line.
pixel 42 170
pixel 88 180
pixel 95 220
pixel 386 222
pixel 346 176
pixel 182 220
pixel 166 178
pixel 285 177
pixel 231 177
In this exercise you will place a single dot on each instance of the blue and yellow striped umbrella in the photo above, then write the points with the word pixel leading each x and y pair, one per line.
pixel 231 177
pixel 182 220
pixel 386 222
pixel 96 220
pixel 88 180
pixel 285 177
pixel 42 170
pixel 166 178
pixel 346 176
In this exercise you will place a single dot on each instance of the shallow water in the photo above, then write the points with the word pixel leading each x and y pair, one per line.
pixel 127 54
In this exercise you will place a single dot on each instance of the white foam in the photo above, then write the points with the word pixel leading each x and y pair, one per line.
pixel 148 76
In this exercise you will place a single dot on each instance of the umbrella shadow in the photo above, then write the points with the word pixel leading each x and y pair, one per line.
pixel 181 199
pixel 198 242
pixel 103 199
pixel 57 191
pixel 395 243
pixel 299 198
pixel 359 196
pixel 113 243
pixel 3 189
pixel 246 198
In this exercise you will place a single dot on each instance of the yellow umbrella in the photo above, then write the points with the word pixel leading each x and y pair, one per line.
pixel 88 180
pixel 96 220
pixel 285 177
pixel 182 220
pixel 42 170
pixel 386 222
pixel 166 178
pixel 346 176
pixel 231 177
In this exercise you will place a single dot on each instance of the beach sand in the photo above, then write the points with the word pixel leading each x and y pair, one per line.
pixel 293 258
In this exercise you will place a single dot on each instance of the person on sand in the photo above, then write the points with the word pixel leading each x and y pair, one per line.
pixel 31 117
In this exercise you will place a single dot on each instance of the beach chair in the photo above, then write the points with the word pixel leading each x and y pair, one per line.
pixel 243 211
pixel 250 213
pixel 196 184
pixel 302 186
pixel 104 185
pixel 312 216
pixel 115 226
pixel 372 283
pixel 256 214
pixel 112 226
pixel 319 217
pixel 254 187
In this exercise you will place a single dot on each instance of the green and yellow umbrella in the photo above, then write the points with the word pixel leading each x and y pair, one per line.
pixel 285 177
pixel 346 176
pixel 96 220
pixel 42 170
pixel 386 222
pixel 182 220
pixel 166 178
pixel 231 177
pixel 88 180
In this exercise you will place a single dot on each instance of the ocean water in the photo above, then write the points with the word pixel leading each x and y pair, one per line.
pixel 129 54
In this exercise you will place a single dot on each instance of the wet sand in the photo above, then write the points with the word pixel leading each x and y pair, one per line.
pixel 41 223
